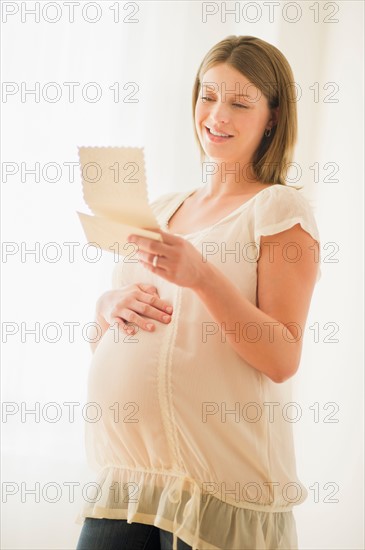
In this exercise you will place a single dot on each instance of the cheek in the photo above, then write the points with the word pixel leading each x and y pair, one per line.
pixel 201 112
pixel 253 122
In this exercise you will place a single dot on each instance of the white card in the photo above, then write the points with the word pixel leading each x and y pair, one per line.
pixel 114 188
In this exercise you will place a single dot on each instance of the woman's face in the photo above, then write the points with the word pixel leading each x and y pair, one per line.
pixel 222 109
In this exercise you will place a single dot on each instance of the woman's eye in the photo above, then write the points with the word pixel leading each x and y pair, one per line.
pixel 206 98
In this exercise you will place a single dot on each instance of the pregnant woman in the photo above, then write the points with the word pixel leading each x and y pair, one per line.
pixel 203 332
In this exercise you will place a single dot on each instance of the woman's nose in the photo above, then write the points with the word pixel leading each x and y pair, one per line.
pixel 220 111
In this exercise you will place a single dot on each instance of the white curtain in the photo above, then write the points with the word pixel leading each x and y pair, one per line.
pixel 151 55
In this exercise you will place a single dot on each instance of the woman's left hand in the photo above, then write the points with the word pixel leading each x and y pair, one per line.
pixel 178 260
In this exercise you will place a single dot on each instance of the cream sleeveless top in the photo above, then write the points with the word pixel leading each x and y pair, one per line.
pixel 191 438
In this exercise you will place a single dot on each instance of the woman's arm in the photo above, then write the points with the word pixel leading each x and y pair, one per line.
pixel 284 291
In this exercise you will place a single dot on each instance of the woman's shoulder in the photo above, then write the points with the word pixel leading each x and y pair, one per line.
pixel 280 188
pixel 284 197
pixel 281 207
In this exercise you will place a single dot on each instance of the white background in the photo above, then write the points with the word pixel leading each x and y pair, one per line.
pixel 161 53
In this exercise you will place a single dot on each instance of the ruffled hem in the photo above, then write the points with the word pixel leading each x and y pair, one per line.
pixel 176 503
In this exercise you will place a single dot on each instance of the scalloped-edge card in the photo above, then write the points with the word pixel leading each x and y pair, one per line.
pixel 115 189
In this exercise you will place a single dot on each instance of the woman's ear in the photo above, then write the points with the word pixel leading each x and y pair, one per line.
pixel 274 116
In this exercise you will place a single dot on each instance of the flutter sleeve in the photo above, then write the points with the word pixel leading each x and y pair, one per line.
pixel 280 208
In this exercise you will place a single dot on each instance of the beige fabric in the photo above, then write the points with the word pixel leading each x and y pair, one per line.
pixel 203 445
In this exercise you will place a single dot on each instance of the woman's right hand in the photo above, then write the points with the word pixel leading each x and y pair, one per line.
pixel 127 304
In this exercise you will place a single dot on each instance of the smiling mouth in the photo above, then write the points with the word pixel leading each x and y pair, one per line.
pixel 218 135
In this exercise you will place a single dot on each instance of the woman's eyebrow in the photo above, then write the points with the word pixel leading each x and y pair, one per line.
pixel 211 89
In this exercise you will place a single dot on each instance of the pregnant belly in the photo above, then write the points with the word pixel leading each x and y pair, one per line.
pixel 124 384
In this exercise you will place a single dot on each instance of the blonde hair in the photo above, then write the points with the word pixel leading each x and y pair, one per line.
pixel 269 71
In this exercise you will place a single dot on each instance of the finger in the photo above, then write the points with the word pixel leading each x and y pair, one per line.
pixel 162 233
pixel 153 300
pixel 153 246
pixel 168 238
pixel 163 263
pixel 150 289
pixel 133 317
pixel 151 312
pixel 122 325
pixel 150 246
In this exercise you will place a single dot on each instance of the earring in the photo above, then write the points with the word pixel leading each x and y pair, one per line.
pixel 267 132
